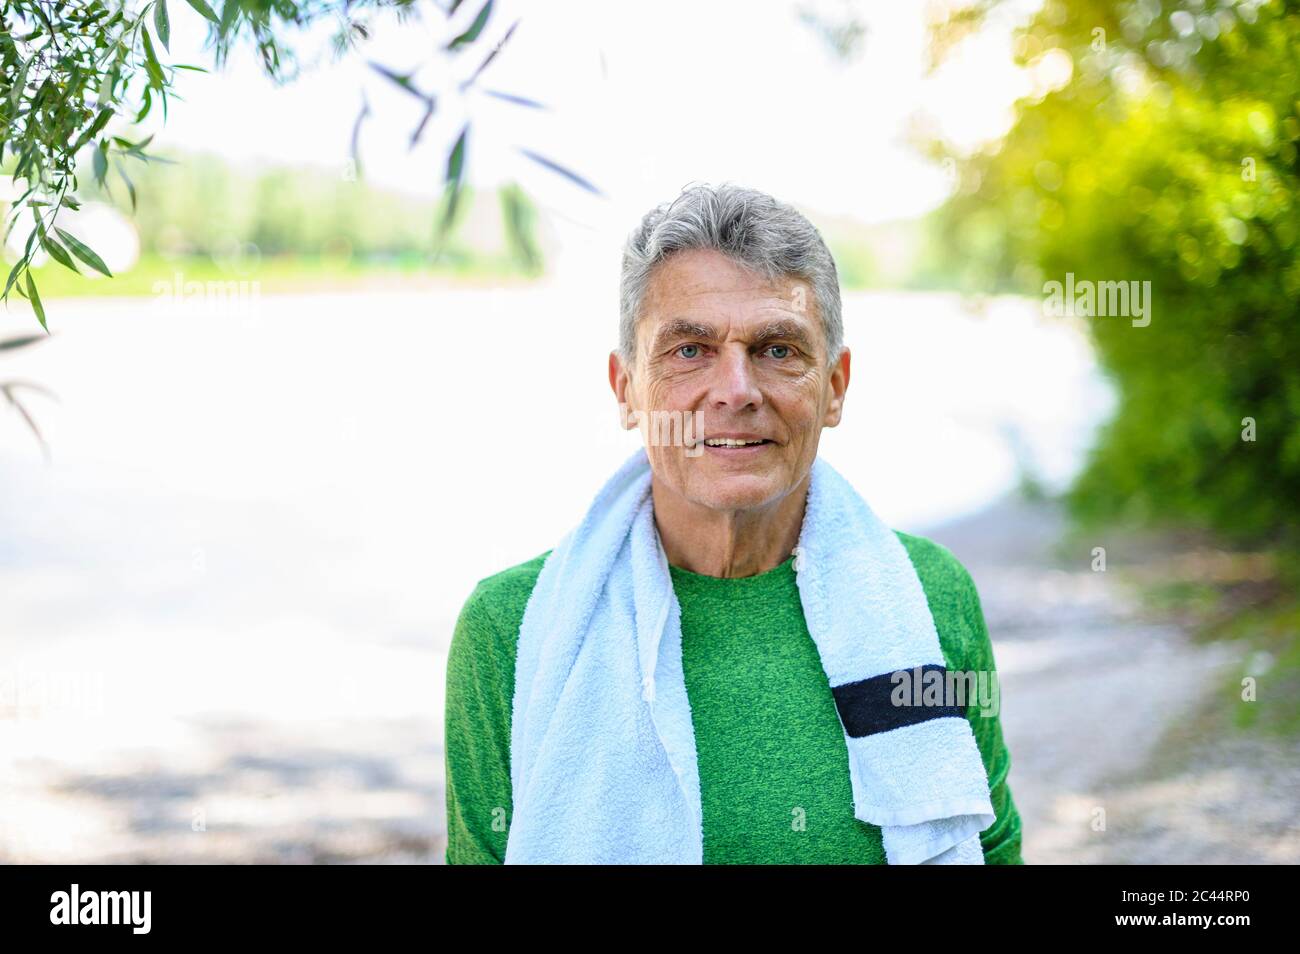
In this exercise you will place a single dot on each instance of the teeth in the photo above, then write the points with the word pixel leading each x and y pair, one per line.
pixel 728 442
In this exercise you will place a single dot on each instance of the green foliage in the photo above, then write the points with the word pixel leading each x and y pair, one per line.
pixel 69 71
pixel 9 390
pixel 520 217
pixel 1169 156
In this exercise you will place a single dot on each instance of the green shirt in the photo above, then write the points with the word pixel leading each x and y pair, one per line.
pixel 773 763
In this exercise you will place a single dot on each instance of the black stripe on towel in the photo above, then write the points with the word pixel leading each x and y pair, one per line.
pixel 867 706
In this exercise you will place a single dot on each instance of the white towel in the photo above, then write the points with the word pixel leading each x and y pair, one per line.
pixel 602 747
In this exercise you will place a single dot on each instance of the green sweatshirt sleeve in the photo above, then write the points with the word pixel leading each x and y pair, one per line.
pixel 480 679
pixel 1001 840
pixel 964 637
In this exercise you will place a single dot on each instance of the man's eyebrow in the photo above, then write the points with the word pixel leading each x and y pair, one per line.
pixel 789 330
pixel 683 328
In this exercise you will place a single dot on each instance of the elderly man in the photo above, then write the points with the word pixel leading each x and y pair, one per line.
pixel 721 662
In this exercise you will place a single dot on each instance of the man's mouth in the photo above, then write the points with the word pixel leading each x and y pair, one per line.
pixel 734 444
pixel 731 442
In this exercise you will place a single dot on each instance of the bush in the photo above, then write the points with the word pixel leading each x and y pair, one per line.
pixel 1169 156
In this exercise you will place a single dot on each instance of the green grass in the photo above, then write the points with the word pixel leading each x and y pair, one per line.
pixel 1251 602
pixel 1262 620
pixel 1270 635
pixel 276 275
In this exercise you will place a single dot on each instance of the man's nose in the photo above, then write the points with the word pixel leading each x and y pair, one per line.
pixel 735 383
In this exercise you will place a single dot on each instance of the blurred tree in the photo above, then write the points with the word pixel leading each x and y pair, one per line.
pixel 1160 145
pixel 201 205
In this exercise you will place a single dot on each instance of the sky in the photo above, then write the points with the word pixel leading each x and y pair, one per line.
pixel 643 98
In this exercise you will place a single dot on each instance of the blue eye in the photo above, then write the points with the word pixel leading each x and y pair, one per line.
pixel 786 347
pixel 679 350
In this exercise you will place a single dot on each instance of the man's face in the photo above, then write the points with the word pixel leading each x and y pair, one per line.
pixel 744 357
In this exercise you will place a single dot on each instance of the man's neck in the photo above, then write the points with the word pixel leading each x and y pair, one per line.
pixel 728 543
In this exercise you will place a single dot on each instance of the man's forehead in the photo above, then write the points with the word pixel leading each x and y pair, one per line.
pixel 703 293
pixel 709 274
pixel 687 320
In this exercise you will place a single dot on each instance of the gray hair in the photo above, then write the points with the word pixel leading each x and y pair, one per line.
pixel 757 231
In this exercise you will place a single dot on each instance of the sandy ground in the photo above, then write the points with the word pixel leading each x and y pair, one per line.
pixel 1098 711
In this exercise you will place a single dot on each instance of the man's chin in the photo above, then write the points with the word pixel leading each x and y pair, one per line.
pixel 737 491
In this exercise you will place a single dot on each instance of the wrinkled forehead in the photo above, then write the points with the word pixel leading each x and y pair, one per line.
pixel 709 278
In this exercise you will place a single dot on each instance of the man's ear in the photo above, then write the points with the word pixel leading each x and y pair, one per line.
pixel 620 381
pixel 839 384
